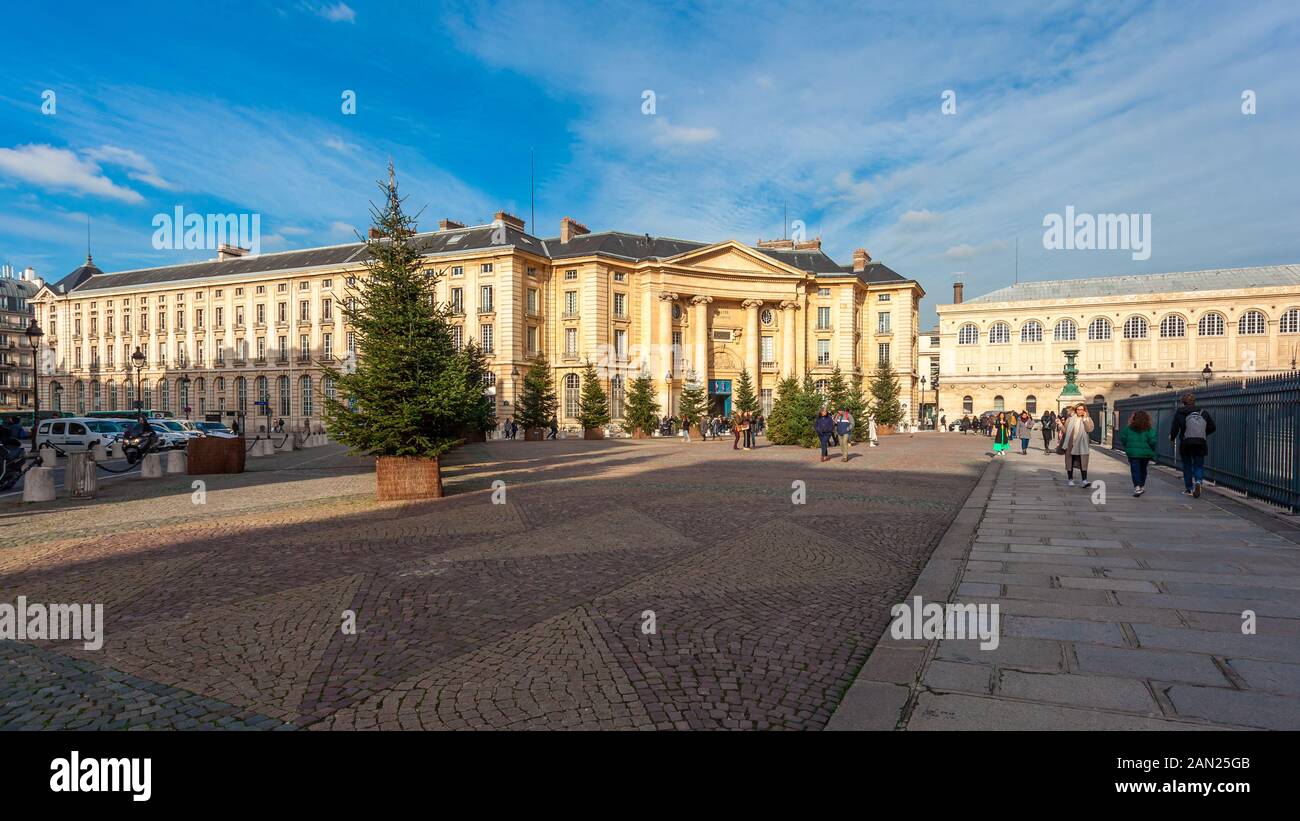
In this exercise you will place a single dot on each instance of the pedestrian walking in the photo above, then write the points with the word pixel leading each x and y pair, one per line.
pixel 823 426
pixel 1074 443
pixel 1190 434
pixel 747 431
pixel 735 431
pixel 1048 426
pixel 844 429
pixel 1024 430
pixel 1138 441
pixel 871 431
pixel 555 428
pixel 1001 434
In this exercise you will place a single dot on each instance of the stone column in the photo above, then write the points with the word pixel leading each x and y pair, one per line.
pixel 751 307
pixel 664 346
pixel 789 320
pixel 700 356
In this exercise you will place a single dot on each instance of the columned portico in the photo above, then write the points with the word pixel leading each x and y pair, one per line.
pixel 664 347
pixel 700 319
pixel 752 342
pixel 788 333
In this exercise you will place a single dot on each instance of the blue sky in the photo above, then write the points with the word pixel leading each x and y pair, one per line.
pixel 833 112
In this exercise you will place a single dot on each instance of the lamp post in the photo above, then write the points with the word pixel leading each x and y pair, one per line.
pixel 138 359
pixel 668 388
pixel 184 382
pixel 34 334
pixel 1207 374
pixel 934 383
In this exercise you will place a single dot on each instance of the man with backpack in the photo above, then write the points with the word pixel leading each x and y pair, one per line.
pixel 844 430
pixel 1190 435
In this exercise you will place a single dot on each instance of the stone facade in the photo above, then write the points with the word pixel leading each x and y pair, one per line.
pixel 1133 336
pixel 243 328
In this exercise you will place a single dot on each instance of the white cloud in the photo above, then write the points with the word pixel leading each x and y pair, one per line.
pixel 669 134
pixel 139 168
pixel 339 228
pixel 921 217
pixel 336 12
pixel 59 168
pixel 340 145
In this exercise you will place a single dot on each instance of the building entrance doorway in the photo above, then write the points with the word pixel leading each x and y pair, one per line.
pixel 719 397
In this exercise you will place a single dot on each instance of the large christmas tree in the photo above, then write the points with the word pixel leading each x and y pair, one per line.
pixel 411 392
pixel 593 403
pixel 642 413
pixel 846 392
pixel 694 404
pixel 793 413
pixel 745 398
pixel 537 401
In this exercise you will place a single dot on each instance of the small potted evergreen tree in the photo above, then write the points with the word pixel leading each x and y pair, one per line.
pixel 537 401
pixel 593 404
pixel 642 414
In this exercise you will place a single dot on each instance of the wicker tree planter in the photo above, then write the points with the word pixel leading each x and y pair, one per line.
pixel 640 434
pixel 534 434
pixel 885 430
pixel 593 433
pixel 407 477
pixel 215 454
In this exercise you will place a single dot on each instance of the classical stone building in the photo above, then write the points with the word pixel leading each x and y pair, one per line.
pixel 1134 334
pixel 222 335
pixel 16 291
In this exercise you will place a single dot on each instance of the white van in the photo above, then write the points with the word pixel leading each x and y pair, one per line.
pixel 70 434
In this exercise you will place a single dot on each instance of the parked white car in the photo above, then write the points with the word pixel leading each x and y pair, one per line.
pixel 75 434
pixel 183 427
pixel 168 437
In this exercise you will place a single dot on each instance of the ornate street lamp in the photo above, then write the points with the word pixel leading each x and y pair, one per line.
pixel 923 382
pixel 34 334
pixel 184 382
pixel 138 359
pixel 668 386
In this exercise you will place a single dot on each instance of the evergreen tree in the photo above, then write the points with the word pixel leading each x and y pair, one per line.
pixel 745 399
pixel 694 403
pixel 481 415
pixel 837 391
pixel 793 413
pixel 642 411
pixel 884 396
pixel 537 403
pixel 593 403
pixel 846 392
pixel 411 393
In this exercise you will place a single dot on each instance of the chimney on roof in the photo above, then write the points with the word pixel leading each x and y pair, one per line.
pixel 570 228
pixel 509 219
pixel 374 233
pixel 781 244
pixel 448 225
pixel 226 252
pixel 956 292
pixel 861 259
pixel 809 245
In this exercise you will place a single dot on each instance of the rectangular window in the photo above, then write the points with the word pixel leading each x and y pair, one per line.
pixel 485 335
pixel 823 318
pixel 261 314
pixel 532 339
pixel 485 268
pixel 571 273
pixel 485 299
pixel 883 298
pixel 882 352
pixel 261 349
pixel 570 303
pixel 458 270
pixel 823 352
pixel 532 300
pixel 327 309
pixel 126 323
pixel 882 322
pixel 282 312
pixel 823 292
pixel 620 306
pixel 198 319
pixel 570 341
pixel 220 317
pixel 768 350
pixel 457 300
pixel 620 344
pixel 765 401
pixel 457 336
pixel 239 316
pixel 304 310
pixel 327 345
pixel 304 346
pixel 221 352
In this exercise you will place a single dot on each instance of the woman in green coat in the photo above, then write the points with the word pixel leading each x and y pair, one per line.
pixel 1138 441
pixel 1001 435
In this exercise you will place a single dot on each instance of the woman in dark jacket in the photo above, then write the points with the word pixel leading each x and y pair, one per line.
pixel 1138 441
pixel 824 426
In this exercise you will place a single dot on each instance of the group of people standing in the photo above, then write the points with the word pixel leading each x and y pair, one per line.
pixel 1189 434
pixel 838 427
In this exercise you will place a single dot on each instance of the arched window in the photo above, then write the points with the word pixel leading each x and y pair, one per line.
pixel 967 404
pixel 1252 323
pixel 1173 327
pixel 241 394
pixel 164 395
pixel 1135 327
pixel 183 391
pixel 999 404
pixel 1065 331
pixel 56 396
pixel 95 397
pixel 201 391
pixel 261 387
pixel 130 395
pixel 1290 322
pixel 282 392
pixel 1099 329
pixel 999 333
pixel 1031 331
pixel 331 391
pixel 968 334
pixel 304 390
pixel 1210 325
pixel 1031 404
pixel 146 395
pixel 572 387
pixel 79 394
pixel 112 396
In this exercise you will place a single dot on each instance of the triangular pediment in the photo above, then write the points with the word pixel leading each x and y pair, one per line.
pixel 732 256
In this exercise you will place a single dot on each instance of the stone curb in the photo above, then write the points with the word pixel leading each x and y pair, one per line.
pixel 884 691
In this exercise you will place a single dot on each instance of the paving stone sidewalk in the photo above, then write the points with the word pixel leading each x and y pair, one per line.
pixel 1120 615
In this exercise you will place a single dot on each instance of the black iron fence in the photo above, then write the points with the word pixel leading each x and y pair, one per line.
pixel 1097 410
pixel 1256 444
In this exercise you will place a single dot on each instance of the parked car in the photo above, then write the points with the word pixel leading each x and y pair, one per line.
pixel 110 430
pixel 75 434
pixel 215 429
pixel 178 426
pixel 168 437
